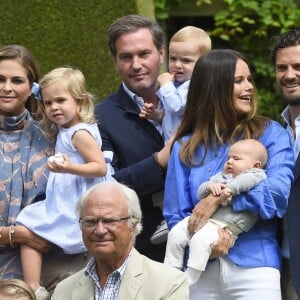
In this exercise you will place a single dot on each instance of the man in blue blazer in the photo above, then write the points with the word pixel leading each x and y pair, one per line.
pixel 139 154
pixel 285 56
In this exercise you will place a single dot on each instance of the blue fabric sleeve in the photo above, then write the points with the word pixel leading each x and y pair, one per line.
pixel 269 198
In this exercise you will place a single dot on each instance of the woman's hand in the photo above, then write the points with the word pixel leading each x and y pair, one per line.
pixel 202 212
pixel 223 244
pixel 23 235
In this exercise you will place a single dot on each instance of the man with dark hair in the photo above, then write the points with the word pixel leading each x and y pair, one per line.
pixel 285 57
pixel 137 146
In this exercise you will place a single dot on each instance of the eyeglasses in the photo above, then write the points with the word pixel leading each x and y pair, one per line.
pixel 92 223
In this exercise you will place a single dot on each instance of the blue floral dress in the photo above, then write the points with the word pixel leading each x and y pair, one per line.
pixel 24 151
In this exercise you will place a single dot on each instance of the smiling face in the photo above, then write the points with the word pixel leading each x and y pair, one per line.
pixel 60 106
pixel 14 87
pixel 109 244
pixel 182 59
pixel 288 74
pixel 138 61
pixel 243 87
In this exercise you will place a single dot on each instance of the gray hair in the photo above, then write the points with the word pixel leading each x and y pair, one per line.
pixel 132 23
pixel 133 203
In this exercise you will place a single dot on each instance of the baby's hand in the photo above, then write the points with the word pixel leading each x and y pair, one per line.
pixel 215 188
pixel 226 192
pixel 226 196
pixel 165 78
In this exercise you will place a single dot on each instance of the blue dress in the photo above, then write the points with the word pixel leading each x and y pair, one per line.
pixel 55 218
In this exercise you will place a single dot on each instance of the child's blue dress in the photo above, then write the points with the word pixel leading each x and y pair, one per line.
pixel 55 218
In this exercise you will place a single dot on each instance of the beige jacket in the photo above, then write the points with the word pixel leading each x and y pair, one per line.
pixel 143 279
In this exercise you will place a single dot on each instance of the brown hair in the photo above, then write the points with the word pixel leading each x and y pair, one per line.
pixel 27 60
pixel 132 23
pixel 210 116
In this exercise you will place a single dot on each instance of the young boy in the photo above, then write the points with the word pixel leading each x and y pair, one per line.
pixel 185 47
pixel 242 172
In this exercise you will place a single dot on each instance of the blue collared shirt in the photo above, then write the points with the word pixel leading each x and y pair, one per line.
pixel 173 96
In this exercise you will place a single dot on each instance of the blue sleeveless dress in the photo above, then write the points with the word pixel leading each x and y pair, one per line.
pixel 55 218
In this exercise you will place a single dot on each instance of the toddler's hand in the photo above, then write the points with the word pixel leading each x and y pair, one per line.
pixel 165 78
pixel 57 158
pixel 146 110
pixel 149 112
pixel 58 163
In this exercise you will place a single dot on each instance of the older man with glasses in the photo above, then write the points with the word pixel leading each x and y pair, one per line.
pixel 110 218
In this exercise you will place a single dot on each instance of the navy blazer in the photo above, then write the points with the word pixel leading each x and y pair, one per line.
pixel 133 141
pixel 294 227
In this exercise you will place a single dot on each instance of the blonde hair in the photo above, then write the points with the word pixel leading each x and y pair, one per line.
pixel 188 33
pixel 16 289
pixel 74 82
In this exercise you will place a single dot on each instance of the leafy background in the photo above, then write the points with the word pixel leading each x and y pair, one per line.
pixel 73 32
pixel 68 32
pixel 247 26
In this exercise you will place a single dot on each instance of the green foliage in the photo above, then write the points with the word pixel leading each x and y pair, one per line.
pixel 163 8
pixel 248 26
pixel 68 32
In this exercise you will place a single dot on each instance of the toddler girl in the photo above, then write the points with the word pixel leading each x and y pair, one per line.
pixel 67 116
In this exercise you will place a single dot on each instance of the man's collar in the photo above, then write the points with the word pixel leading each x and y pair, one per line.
pixel 286 116
pixel 128 91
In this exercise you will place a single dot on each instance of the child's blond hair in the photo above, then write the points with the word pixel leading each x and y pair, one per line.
pixel 74 82
pixel 188 33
